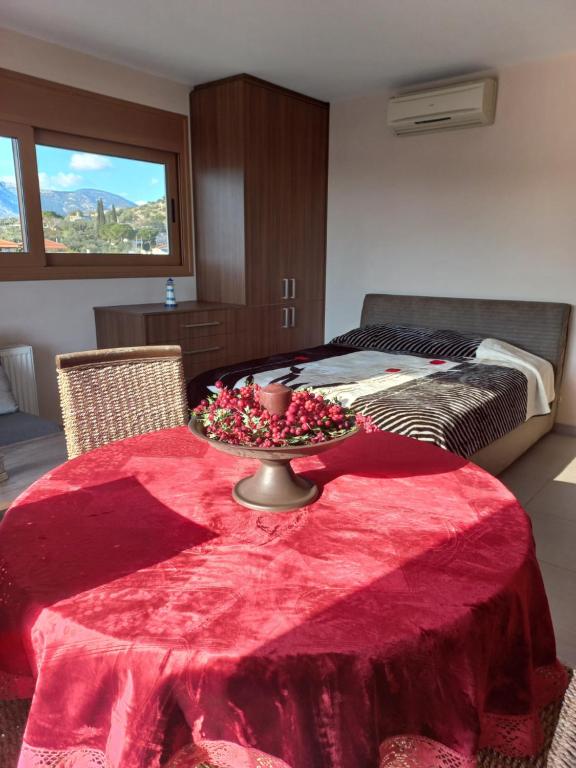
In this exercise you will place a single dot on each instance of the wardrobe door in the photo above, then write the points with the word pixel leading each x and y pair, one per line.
pixel 268 191
pixel 218 173
pixel 308 138
pixel 298 324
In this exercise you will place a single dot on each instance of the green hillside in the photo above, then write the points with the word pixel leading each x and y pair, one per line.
pixel 137 229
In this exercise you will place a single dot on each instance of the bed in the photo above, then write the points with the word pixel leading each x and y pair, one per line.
pixel 539 328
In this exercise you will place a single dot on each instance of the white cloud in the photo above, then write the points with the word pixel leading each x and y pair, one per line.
pixel 11 180
pixel 153 182
pixel 84 161
pixel 59 181
pixel 66 179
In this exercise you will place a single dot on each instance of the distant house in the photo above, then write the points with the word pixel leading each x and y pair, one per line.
pixel 162 246
pixel 53 247
pixel 162 240
pixel 7 246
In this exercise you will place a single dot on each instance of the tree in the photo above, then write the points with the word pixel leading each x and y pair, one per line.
pixel 100 215
pixel 147 235
pixel 117 233
pixel 114 215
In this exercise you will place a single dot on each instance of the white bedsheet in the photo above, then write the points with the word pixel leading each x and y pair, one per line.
pixel 539 372
pixel 357 373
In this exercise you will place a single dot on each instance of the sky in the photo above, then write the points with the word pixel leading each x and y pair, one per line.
pixel 69 170
pixel 6 159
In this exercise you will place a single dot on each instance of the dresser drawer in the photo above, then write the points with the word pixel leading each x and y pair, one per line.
pixel 183 326
pixel 204 353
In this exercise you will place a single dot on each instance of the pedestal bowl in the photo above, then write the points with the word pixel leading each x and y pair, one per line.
pixel 275 487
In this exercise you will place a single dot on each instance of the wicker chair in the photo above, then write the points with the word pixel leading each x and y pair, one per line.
pixel 563 750
pixel 3 473
pixel 110 394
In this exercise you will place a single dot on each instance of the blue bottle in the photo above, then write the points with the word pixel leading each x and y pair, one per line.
pixel 170 302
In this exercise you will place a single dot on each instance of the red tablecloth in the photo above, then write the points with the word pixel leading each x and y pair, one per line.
pixel 403 611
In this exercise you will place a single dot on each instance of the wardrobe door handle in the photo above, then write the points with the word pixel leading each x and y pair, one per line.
pixel 285 323
pixel 285 288
pixel 293 287
pixel 292 317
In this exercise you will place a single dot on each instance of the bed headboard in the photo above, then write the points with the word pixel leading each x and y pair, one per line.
pixel 540 327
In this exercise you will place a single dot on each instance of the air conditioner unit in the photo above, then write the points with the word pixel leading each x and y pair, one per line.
pixel 461 105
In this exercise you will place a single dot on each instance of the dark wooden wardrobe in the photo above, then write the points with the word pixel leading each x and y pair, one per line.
pixel 260 162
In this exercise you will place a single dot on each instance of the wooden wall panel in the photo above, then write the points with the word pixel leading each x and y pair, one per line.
pixel 57 107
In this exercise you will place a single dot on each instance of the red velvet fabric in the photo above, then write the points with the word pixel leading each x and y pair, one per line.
pixel 147 609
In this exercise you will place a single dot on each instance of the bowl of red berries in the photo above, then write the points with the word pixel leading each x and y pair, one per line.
pixel 274 425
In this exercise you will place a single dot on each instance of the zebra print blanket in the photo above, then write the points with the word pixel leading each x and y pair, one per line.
pixel 460 406
pixel 463 409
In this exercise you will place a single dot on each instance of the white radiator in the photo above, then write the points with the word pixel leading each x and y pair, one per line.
pixel 18 364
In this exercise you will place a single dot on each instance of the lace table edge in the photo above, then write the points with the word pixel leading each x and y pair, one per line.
pixel 512 735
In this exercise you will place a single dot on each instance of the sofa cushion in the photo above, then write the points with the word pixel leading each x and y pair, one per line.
pixel 7 402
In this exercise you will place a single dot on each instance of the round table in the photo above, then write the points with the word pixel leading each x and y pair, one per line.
pixel 400 618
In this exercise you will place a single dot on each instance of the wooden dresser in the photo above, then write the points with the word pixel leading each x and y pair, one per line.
pixel 205 331
pixel 210 334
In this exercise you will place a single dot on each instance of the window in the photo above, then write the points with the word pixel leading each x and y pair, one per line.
pixel 12 229
pixel 102 203
pixel 20 238
pixel 111 204
pixel 106 204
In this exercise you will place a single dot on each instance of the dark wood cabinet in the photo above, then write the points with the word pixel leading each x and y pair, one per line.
pixel 260 173
pixel 260 156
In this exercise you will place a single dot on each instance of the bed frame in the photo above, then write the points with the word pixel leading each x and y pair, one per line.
pixel 536 326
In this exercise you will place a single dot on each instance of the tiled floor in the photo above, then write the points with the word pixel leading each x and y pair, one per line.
pixel 26 462
pixel 544 480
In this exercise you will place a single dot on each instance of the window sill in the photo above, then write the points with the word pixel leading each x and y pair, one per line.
pixel 8 274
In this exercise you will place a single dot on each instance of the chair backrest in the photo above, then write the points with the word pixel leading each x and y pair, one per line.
pixel 110 394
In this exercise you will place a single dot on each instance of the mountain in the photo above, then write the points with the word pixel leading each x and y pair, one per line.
pixel 62 203
pixel 8 201
pixel 84 200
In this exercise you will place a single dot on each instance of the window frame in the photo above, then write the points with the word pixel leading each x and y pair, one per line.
pixel 97 146
pixel 36 111
pixel 29 196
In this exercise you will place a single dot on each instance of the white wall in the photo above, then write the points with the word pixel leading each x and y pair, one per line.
pixel 56 315
pixel 482 212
